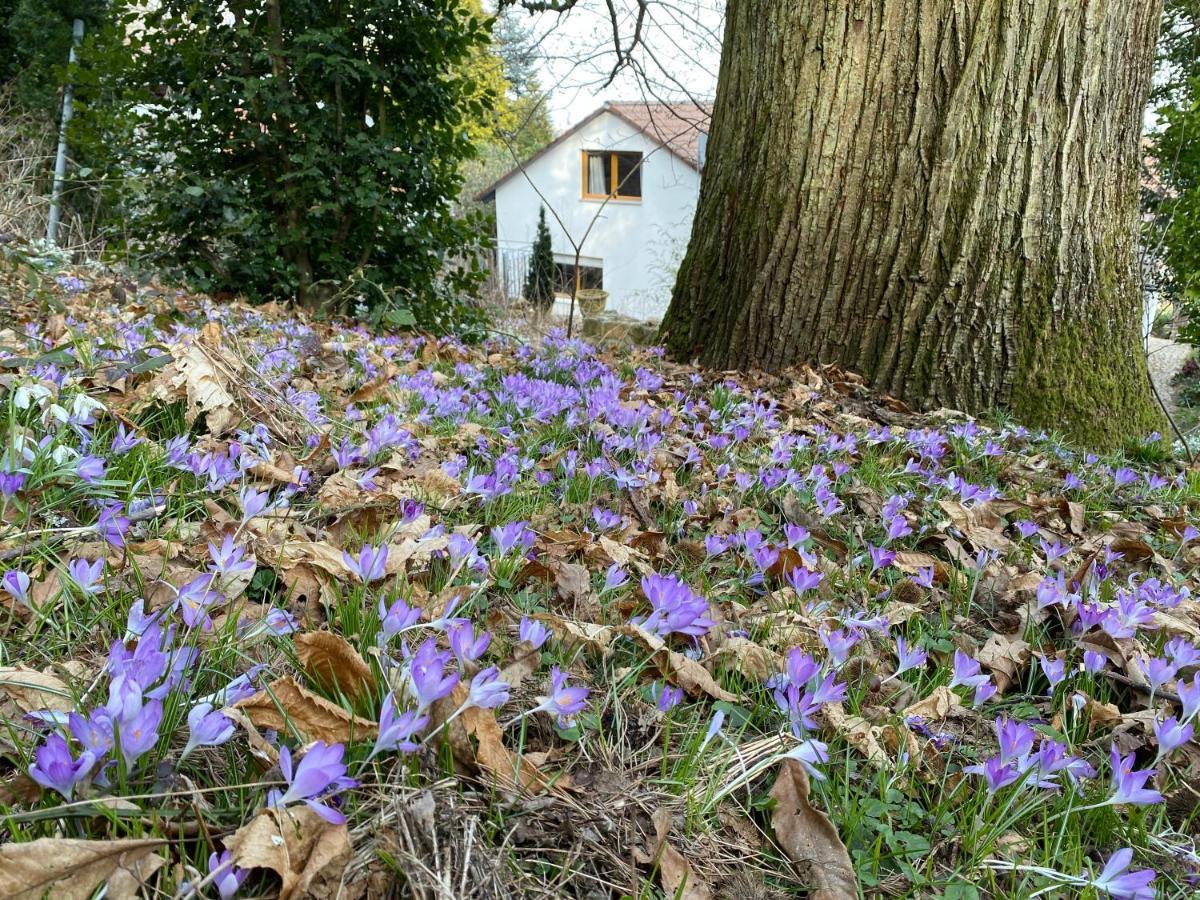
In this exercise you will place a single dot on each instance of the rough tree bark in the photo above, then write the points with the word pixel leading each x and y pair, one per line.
pixel 939 194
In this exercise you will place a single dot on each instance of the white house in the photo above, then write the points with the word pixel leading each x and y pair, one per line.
pixel 622 184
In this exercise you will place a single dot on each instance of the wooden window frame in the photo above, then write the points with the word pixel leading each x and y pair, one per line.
pixel 577 275
pixel 612 176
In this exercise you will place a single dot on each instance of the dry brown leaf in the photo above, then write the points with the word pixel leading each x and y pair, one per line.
pixel 858 733
pixel 524 663
pixel 488 753
pixel 749 658
pixel 438 483
pixel 284 704
pixel 193 377
pixel 1099 715
pixel 809 838
pixel 678 880
pixel 1006 656
pixel 936 706
pixel 307 853
pixel 677 668
pixel 32 690
pixel 333 664
pixel 594 637
pixel 68 869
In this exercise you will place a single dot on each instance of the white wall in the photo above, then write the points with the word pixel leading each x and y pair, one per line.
pixel 639 243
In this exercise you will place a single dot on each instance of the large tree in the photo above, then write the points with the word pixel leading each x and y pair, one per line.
pixel 939 194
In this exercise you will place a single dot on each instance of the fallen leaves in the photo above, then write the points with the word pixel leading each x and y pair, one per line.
pixel 69 869
pixel 32 690
pixel 939 704
pixel 1006 656
pixel 486 752
pixel 679 880
pixel 307 853
pixel 286 706
pixel 336 666
pixel 194 378
pixel 809 838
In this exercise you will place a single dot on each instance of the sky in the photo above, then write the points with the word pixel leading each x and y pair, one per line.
pixel 680 57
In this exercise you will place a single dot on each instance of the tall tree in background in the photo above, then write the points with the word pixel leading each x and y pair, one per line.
pixel 940 195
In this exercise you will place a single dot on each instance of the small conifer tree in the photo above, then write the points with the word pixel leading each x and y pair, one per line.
pixel 539 282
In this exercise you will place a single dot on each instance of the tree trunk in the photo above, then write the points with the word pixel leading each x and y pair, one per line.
pixel 939 194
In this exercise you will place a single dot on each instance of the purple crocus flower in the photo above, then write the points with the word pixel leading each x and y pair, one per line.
pixel 395 619
pixel 838 643
pixel 487 691
pixel 614 577
pixel 996 773
pixel 924 577
pixel 1118 883
pixel 55 769
pixel 124 441
pixel 206 728
pixel 881 557
pixel 195 599
pixel 665 697
pixel 94 731
pixel 17 584
pixel 803 579
pixel 227 878
pixel 139 733
pixel 1182 652
pixel 86 575
pixel 229 558
pixel 112 526
pixel 371 564
pixel 564 701
pixel 1026 529
pixel 1171 734
pixel 1054 669
pixel 1189 696
pixel 714 728
pixel 11 483
pixel 512 536
pixel 810 753
pixel 677 608
pixel 253 502
pixel 907 658
pixel 397 732
pixel 1094 662
pixel 90 469
pixel 533 632
pixel 1158 671
pixel 427 676
pixel 319 773
pixel 1129 783
pixel 466 645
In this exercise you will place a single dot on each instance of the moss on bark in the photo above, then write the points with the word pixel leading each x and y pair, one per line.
pixel 938 194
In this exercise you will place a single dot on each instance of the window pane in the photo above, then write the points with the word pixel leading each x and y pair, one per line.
pixel 590 277
pixel 597 174
pixel 629 174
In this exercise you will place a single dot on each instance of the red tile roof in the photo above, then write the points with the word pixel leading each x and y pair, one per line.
pixel 675 126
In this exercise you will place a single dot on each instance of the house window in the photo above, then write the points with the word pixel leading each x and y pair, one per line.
pixel 608 173
pixel 590 277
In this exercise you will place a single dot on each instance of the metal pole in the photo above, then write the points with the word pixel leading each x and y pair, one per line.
pixel 60 161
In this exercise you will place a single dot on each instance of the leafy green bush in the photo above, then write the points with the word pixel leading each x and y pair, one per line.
pixel 296 149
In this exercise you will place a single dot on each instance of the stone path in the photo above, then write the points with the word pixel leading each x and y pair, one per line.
pixel 1165 359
